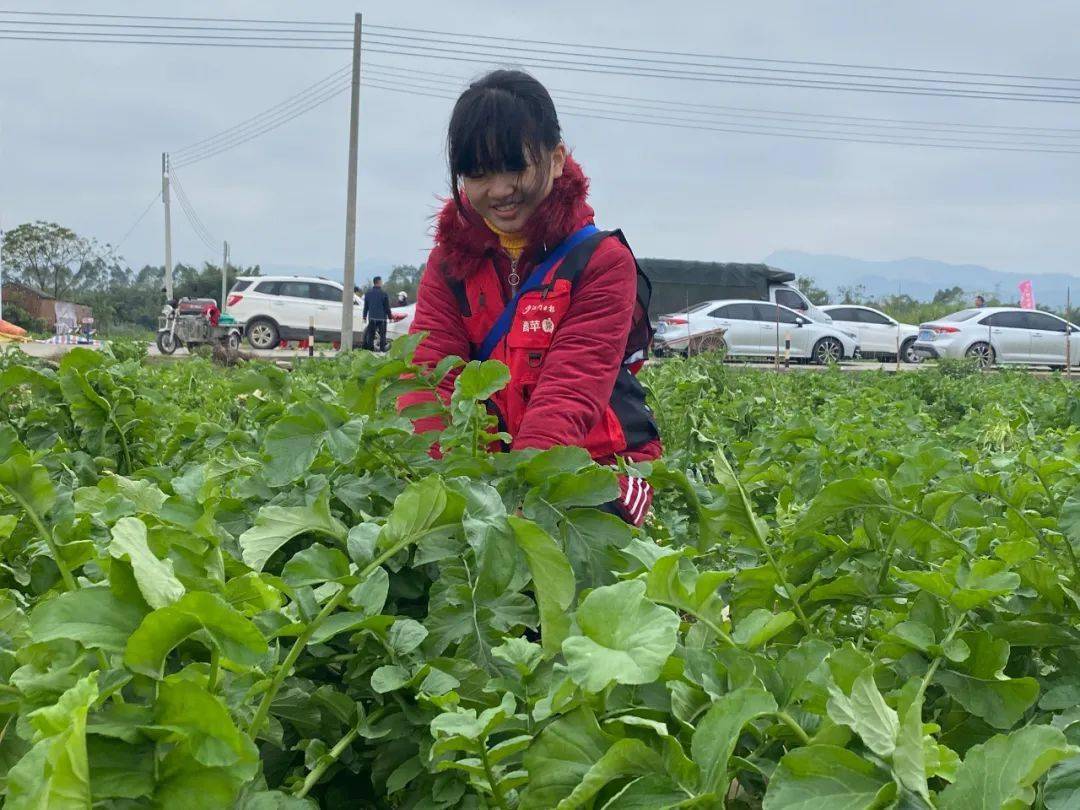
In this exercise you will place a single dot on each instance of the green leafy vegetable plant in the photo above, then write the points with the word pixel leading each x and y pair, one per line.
pixel 245 588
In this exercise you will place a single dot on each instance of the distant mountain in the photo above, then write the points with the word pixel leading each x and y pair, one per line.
pixel 921 278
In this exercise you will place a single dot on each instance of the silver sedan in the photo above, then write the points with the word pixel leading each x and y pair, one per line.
pixel 757 329
pixel 1002 335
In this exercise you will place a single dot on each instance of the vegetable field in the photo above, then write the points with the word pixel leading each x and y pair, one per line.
pixel 255 589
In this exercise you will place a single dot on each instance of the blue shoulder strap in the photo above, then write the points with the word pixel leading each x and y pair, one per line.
pixel 535 279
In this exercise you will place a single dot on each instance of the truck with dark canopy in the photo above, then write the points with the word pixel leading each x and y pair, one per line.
pixel 677 284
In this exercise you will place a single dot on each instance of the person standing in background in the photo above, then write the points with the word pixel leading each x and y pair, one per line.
pixel 376 313
pixel 980 302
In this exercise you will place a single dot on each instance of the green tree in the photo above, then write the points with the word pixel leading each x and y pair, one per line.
pixel 949 295
pixel 54 259
pixel 853 294
pixel 135 298
pixel 192 282
pixel 817 295
pixel 403 277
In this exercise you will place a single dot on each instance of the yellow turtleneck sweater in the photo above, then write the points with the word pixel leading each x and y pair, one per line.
pixel 512 243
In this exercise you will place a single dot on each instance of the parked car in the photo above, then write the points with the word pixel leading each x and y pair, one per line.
pixel 1001 335
pixel 276 308
pixel 749 329
pixel 878 333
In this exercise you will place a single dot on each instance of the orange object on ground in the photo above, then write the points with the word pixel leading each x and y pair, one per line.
pixel 7 328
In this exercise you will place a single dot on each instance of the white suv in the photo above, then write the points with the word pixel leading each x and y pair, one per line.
pixel 276 308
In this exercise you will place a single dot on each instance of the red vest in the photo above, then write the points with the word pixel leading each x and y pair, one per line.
pixel 627 422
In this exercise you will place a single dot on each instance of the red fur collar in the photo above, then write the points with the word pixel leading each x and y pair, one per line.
pixel 465 240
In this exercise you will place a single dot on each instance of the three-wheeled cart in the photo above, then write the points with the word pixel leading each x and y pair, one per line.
pixel 193 321
pixel 670 340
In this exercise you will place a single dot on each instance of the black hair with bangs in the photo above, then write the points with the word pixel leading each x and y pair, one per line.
pixel 504 122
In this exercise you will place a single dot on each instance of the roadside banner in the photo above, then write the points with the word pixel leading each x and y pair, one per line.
pixel 1027 296
pixel 66 321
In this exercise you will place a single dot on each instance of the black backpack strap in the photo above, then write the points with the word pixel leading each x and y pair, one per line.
pixel 641 330
pixel 457 289
pixel 576 260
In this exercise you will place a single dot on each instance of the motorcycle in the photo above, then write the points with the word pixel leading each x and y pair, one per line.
pixel 193 321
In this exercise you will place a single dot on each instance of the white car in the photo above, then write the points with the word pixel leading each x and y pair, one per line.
pixel 276 308
pixel 1002 335
pixel 879 335
pixel 750 330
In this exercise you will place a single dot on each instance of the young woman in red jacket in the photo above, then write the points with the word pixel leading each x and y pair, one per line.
pixel 519 273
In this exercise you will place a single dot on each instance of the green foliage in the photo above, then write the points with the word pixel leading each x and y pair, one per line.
pixel 250 589
pixel 52 259
pixel 13 313
pixel 817 295
pixel 403 278
pixel 125 348
pixel 126 302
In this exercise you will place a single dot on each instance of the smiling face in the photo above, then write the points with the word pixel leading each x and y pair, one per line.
pixel 505 148
pixel 508 199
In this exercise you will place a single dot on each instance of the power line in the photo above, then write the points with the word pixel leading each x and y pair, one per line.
pixel 634 66
pixel 638 62
pixel 225 133
pixel 189 212
pixel 646 112
pixel 178 19
pixel 680 64
pixel 726 56
pixel 204 238
pixel 622 108
pixel 432 52
pixel 153 27
pixel 138 220
pixel 720 73
pixel 865 121
pixel 342 27
pixel 336 83
pixel 915 140
pixel 573 105
pixel 635 110
pixel 284 117
pixel 745 130
pixel 394 71
pixel 193 218
pixel 6 36
pixel 165 38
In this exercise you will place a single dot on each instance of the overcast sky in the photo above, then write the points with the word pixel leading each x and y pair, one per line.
pixel 82 128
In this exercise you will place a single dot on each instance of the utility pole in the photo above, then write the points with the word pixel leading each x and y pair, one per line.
pixel 1068 332
pixel 168 226
pixel 349 276
pixel 777 358
pixel 224 275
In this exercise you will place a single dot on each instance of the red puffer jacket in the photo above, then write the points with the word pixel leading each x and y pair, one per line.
pixel 574 387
